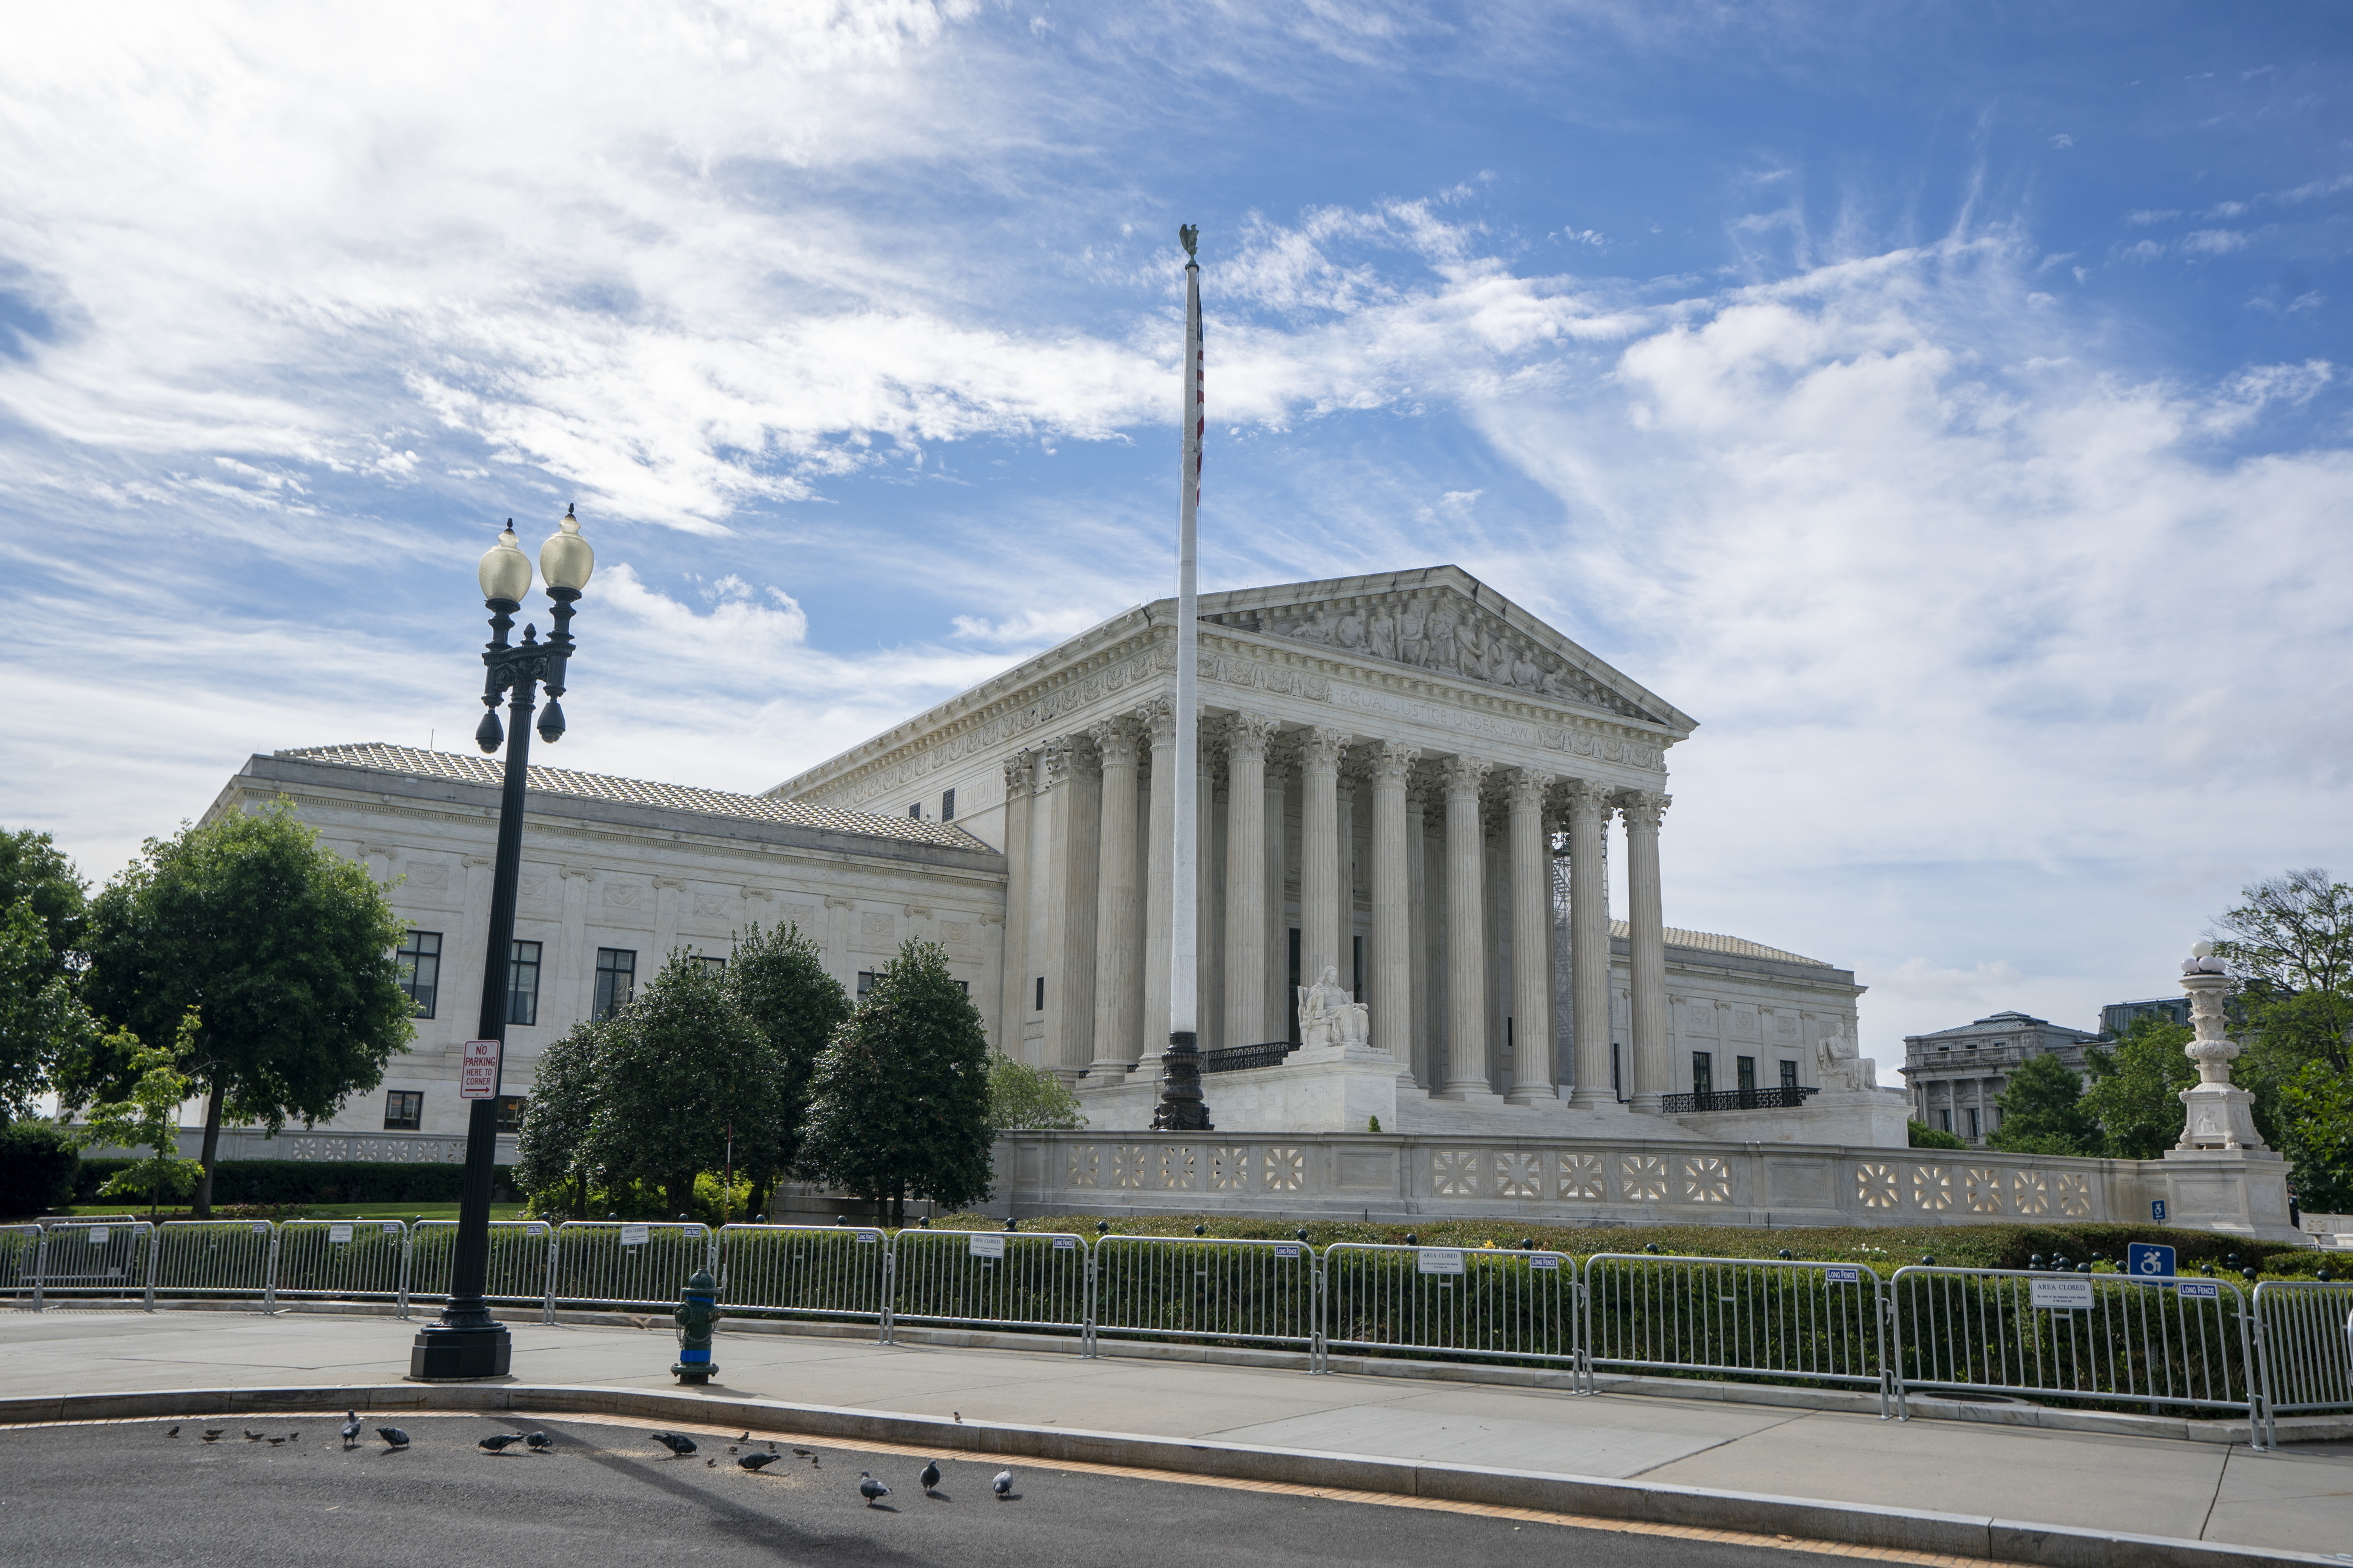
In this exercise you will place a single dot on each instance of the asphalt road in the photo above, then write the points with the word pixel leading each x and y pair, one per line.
pixel 609 1495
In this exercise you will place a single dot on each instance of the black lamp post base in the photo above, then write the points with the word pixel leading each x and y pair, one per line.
pixel 460 1356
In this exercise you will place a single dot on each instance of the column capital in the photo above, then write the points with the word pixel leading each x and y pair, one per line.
pixel 1322 746
pixel 1392 762
pixel 1116 741
pixel 1464 775
pixel 1021 774
pixel 1158 718
pixel 1586 796
pixel 1526 789
pixel 1067 758
pixel 1644 808
pixel 1247 735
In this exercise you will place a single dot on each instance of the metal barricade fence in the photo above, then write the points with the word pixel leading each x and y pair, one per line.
pixel 1741 1317
pixel 343 1260
pixel 217 1259
pixel 837 1273
pixel 521 1254
pixel 1010 1280
pixel 2303 1335
pixel 20 1263
pixel 1450 1302
pixel 618 1263
pixel 1252 1292
pixel 2109 1338
pixel 91 1260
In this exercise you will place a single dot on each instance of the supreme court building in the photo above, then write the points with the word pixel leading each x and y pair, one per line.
pixel 1405 779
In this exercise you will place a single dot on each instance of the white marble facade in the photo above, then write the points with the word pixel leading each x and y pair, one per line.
pixel 1407 775
pixel 1389 765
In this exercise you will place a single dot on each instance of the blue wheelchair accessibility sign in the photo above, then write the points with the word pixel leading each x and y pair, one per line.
pixel 2145 1261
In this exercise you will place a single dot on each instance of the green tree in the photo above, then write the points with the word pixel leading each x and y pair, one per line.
pixel 2136 1091
pixel 2316 1120
pixel 1023 1099
pixel 282 946
pixel 2292 934
pixel 42 1021
pixel 150 1119
pixel 2290 944
pixel 2042 1111
pixel 672 1070
pixel 32 868
pixel 900 1108
pixel 552 1149
pixel 1923 1136
pixel 39 1168
pixel 778 979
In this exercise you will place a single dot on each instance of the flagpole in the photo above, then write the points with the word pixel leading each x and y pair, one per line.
pixel 1182 1107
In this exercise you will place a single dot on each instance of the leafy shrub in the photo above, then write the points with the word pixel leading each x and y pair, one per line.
pixel 38 1169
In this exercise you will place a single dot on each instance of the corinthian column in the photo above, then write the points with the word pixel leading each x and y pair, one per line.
pixel 1015 1005
pixel 1654 1074
pixel 1531 1051
pixel 1588 946
pixel 1466 934
pixel 1390 993
pixel 1070 930
pixel 1119 996
pixel 1319 855
pixel 1160 865
pixel 1246 738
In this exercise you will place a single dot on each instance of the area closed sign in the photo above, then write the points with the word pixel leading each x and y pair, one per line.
pixel 478 1072
pixel 2062 1294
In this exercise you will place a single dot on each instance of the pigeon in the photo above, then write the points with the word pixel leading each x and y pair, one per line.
pixel 800 1452
pixel 959 1416
pixel 873 1490
pixel 755 1462
pixel 393 1436
pixel 498 1441
pixel 1003 1485
pixel 746 1437
pixel 173 1433
pixel 539 1442
pixel 931 1476
pixel 252 1436
pixel 278 1442
pixel 213 1434
pixel 678 1446
pixel 710 1464
pixel 351 1427
pixel 294 1436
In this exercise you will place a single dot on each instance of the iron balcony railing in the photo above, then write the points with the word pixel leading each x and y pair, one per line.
pixel 1235 1059
pixel 1780 1097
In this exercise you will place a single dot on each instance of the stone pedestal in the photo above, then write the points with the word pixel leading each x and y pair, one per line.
pixel 2241 1192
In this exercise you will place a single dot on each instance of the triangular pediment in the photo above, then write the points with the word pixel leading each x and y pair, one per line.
pixel 1446 623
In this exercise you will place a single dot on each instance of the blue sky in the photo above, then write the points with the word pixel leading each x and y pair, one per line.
pixel 1946 404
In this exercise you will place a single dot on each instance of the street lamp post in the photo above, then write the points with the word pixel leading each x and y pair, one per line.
pixel 467 1342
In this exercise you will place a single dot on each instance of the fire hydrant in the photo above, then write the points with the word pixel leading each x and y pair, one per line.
pixel 697 1314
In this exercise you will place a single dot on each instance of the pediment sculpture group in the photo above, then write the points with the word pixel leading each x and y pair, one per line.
pixel 1436 635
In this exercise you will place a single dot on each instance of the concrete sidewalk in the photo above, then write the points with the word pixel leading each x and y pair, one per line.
pixel 2298 1499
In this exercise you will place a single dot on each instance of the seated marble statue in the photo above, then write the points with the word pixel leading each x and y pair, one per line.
pixel 1841 1066
pixel 1328 1016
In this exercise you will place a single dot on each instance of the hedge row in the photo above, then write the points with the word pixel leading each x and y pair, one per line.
pixel 316 1181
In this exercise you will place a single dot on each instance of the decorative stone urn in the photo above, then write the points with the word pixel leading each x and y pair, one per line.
pixel 2220 1115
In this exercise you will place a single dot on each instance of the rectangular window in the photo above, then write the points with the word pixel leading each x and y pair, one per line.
pixel 916 811
pixel 510 1110
pixel 403 1111
pixel 1041 995
pixel 947 805
pixel 1944 1121
pixel 1747 1069
pixel 616 980
pixel 523 983
pixel 1788 1075
pixel 1703 1072
pixel 866 977
pixel 866 983
pixel 1357 987
pixel 704 960
pixel 1974 1131
pixel 1616 1079
pixel 419 958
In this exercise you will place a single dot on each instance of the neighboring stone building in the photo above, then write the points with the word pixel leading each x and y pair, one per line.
pixel 1956 1075
pixel 1404 778
pixel 2118 1017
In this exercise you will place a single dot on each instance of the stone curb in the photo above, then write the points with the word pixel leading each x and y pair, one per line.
pixel 1847 1524
pixel 1991 1411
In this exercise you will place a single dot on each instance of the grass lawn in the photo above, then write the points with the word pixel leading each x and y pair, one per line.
pixel 320 1211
